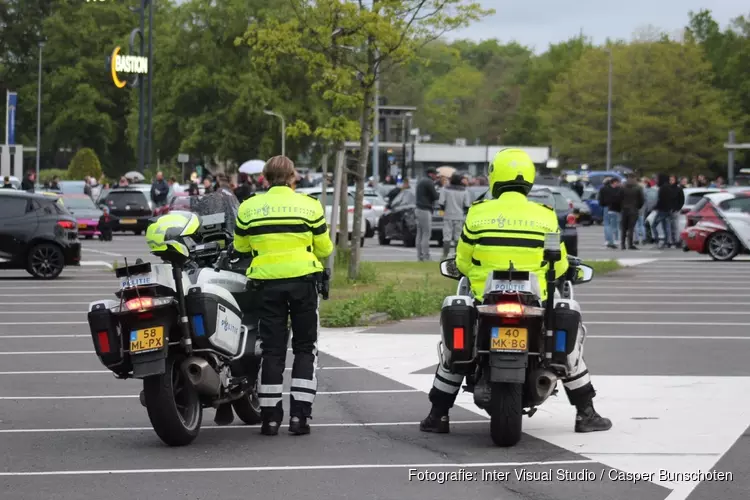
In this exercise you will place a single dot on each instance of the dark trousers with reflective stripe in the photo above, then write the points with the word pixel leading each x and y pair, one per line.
pixel 280 300
pixel 446 385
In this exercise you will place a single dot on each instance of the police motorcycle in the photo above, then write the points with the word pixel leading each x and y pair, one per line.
pixel 513 347
pixel 178 326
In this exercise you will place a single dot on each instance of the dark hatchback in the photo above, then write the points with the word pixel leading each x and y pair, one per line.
pixel 37 234
pixel 129 210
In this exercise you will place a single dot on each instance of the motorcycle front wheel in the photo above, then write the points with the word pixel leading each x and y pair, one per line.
pixel 506 413
pixel 173 406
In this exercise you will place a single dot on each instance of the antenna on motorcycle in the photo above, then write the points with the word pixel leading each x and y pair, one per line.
pixel 127 273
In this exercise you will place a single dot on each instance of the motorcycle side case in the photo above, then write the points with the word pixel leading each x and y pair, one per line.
pixel 102 321
pixel 567 324
pixel 458 318
pixel 215 317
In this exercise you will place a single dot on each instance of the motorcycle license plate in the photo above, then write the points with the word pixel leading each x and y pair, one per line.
pixel 146 339
pixel 128 221
pixel 509 339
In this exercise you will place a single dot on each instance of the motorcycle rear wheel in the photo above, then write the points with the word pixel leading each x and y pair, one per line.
pixel 506 413
pixel 173 406
pixel 248 407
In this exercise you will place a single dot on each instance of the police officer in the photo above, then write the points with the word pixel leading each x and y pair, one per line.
pixel 287 236
pixel 485 247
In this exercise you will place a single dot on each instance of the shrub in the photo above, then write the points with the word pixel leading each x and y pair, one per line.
pixel 85 162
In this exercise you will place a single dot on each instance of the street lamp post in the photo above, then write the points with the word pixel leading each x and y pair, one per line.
pixel 283 129
pixel 39 112
pixel 376 123
pixel 609 114
pixel 404 135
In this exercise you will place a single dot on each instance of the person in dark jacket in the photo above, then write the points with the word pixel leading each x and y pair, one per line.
pixel 631 201
pixel 609 199
pixel 105 225
pixel 665 203
pixel 427 195
pixel 29 182
pixel 678 200
pixel 245 189
pixel 159 190
pixel 7 184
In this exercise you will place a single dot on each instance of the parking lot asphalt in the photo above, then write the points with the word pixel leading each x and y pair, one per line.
pixel 666 347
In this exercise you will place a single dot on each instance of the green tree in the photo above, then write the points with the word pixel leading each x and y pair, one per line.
pixel 666 115
pixel 385 33
pixel 452 104
pixel 84 163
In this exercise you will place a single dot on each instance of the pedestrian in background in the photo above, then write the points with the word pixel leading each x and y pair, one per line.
pixel 245 189
pixel 647 212
pixel 678 200
pixel 427 195
pixel 631 201
pixel 454 201
pixel 29 182
pixel 7 184
pixel 664 204
pixel 609 199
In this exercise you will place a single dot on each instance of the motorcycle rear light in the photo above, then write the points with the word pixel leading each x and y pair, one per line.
pixel 510 310
pixel 66 224
pixel 139 303
pixel 103 339
pixel 458 339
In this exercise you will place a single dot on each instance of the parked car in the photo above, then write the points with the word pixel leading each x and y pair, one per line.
pixel 317 192
pixel 129 208
pixel 180 201
pixel 575 204
pixel 400 223
pixel 719 225
pixel 87 214
pixel 591 199
pixel 565 216
pixel 692 196
pixel 368 209
pixel 378 204
pixel 36 234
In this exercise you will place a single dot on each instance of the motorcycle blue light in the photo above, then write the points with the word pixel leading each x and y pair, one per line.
pixel 560 340
pixel 200 329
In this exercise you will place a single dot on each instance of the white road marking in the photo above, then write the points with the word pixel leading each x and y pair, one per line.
pixel 664 337
pixel 46 304
pixel 131 396
pixel 671 295
pixel 228 427
pixel 656 303
pixel 95 294
pixel 20 353
pixel 108 286
pixel 683 313
pixel 96 263
pixel 30 323
pixel 42 336
pixel 59 372
pixel 272 468
pixel 682 284
pixel 666 323
pixel 44 312
pixel 102 252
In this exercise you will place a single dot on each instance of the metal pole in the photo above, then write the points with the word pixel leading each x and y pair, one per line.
pixel 140 93
pixel 609 115
pixel 403 145
pixel 730 160
pixel 376 124
pixel 150 78
pixel 283 136
pixel 39 113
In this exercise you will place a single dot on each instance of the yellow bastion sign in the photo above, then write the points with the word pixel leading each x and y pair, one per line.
pixel 127 64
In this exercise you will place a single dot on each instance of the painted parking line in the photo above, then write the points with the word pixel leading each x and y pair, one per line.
pixel 271 468
pixel 3 337
pixel 132 396
pixel 227 427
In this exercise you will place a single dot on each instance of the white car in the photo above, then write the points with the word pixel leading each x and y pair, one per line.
pixel 692 196
pixel 317 191
pixel 373 207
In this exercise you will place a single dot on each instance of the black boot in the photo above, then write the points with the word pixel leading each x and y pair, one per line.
pixel 224 414
pixel 587 420
pixel 437 421
pixel 270 427
pixel 299 426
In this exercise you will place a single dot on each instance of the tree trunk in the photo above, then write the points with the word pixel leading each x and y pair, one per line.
pixel 364 149
pixel 344 214
pixel 324 186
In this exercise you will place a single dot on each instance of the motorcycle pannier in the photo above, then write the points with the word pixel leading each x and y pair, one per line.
pixel 458 322
pixel 107 340
pixel 567 322
pixel 216 322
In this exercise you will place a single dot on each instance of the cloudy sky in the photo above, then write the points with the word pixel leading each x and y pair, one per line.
pixel 537 23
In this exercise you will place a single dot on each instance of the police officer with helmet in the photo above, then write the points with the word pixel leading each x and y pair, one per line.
pixel 287 236
pixel 484 247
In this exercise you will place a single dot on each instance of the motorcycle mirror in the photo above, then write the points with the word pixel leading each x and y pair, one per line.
pixel 449 270
pixel 584 274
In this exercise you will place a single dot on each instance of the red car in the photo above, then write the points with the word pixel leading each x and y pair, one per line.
pixel 719 225
pixel 181 201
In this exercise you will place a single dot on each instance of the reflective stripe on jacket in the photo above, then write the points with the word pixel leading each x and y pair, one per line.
pixel 504 230
pixel 286 232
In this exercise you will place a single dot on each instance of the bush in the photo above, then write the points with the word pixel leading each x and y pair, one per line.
pixel 84 163
pixel 398 290
pixel 48 174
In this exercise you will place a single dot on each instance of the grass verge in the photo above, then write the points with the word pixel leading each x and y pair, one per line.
pixel 397 290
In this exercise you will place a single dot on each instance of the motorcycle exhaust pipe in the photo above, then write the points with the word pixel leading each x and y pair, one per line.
pixel 202 376
pixel 545 384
